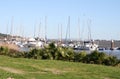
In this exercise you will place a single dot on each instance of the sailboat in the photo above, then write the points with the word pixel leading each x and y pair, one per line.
pixel 34 42
pixel 89 44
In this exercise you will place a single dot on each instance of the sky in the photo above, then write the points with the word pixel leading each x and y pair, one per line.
pixel 27 16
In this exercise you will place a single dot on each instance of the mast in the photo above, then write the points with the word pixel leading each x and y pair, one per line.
pixel 61 34
pixel 7 30
pixel 68 29
pixel 45 29
pixel 78 29
pixel 58 33
pixel 69 26
pixel 89 29
pixel 39 29
pixel 22 29
pixel 11 31
pixel 34 29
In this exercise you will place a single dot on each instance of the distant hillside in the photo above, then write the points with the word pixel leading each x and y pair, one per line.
pixel 107 44
pixel 2 35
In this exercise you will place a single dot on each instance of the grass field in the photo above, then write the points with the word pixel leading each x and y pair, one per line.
pixel 20 68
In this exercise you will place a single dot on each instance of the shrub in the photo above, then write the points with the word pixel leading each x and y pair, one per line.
pixel 111 61
pixel 69 54
pixel 80 56
pixel 4 50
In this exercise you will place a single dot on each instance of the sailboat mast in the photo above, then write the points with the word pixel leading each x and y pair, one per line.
pixel 89 29
pixel 39 30
pixel 61 34
pixel 11 32
pixel 69 26
pixel 78 29
pixel 58 33
pixel 45 29
pixel 7 30
pixel 68 30
pixel 22 29
pixel 34 29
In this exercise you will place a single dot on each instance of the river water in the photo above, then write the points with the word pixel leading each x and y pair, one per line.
pixel 112 52
pixel 108 52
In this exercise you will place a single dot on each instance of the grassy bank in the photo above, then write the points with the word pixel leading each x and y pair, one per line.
pixel 21 68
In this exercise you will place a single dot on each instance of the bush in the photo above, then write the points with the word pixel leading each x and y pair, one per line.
pixel 80 56
pixel 10 52
pixel 111 61
pixel 4 50
pixel 69 54
pixel 61 53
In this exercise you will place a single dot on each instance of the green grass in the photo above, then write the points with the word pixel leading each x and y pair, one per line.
pixel 21 68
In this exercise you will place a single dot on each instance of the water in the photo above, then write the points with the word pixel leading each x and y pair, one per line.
pixel 108 52
pixel 24 49
pixel 112 52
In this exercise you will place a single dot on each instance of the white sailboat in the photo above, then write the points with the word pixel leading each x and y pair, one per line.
pixel 89 44
pixel 34 43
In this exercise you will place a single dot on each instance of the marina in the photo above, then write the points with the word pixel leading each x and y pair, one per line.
pixel 26 45
pixel 60 39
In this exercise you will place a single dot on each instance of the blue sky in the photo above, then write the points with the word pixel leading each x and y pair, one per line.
pixel 104 16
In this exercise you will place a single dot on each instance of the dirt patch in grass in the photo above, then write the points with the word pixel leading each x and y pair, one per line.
pixel 12 70
pixel 52 70
pixel 38 72
pixel 106 78
pixel 10 78
pixel 46 70
pixel 55 71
